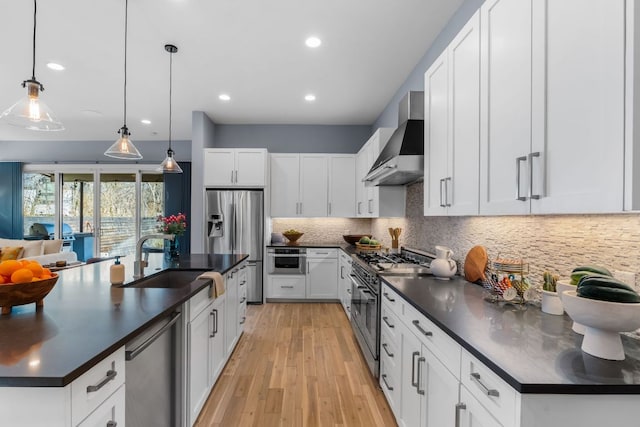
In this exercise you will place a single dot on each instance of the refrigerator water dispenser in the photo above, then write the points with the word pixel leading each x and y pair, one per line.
pixel 215 225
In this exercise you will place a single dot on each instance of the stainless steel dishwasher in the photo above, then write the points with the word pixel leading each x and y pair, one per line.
pixel 153 375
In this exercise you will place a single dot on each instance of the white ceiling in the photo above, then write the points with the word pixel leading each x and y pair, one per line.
pixel 251 49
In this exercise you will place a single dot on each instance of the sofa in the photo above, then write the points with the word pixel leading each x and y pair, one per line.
pixel 43 251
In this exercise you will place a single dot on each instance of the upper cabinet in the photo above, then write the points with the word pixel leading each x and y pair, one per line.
pixel 239 167
pixel 452 126
pixel 312 185
pixel 552 106
pixel 377 201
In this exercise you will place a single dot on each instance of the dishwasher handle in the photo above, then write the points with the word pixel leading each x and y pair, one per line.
pixel 132 354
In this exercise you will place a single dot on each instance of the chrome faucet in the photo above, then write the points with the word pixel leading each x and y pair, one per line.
pixel 139 264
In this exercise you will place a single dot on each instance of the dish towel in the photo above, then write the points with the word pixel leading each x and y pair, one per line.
pixel 218 281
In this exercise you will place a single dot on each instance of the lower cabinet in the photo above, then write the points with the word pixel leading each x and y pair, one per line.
pixel 322 281
pixel 471 413
pixel 231 309
pixel 109 413
pixel 289 286
pixel 344 283
pixel 199 347
pixel 217 333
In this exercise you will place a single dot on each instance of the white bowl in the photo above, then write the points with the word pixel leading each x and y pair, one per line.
pixel 551 303
pixel 562 286
pixel 604 321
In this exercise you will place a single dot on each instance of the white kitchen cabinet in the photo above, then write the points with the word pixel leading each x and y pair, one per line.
pixel 552 106
pixel 238 167
pixel 217 350
pixel 344 282
pixel 377 201
pixel 111 412
pixel 322 278
pixel 231 310
pixel 442 389
pixel 452 127
pixel 342 185
pixel 412 402
pixel 290 286
pixel 243 280
pixel 285 185
pixel 314 181
pixel 471 413
pixel 198 332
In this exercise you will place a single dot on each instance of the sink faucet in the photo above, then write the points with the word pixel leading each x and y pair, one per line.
pixel 139 264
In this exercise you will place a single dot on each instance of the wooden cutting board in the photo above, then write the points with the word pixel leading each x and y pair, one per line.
pixel 475 263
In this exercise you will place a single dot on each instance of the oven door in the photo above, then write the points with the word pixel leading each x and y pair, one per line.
pixel 364 313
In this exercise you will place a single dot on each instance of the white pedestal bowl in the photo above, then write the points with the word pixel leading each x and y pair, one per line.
pixel 562 286
pixel 604 321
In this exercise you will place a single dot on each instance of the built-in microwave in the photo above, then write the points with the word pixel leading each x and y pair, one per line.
pixel 287 260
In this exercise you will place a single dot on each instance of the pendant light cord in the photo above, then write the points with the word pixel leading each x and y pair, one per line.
pixel 126 26
pixel 170 92
pixel 33 68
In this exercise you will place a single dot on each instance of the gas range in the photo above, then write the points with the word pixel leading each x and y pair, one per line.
pixel 408 262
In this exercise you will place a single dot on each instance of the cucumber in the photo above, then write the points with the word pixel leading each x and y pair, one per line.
pixel 604 282
pixel 608 294
pixel 582 271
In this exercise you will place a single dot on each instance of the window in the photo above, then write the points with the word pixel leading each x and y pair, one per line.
pixel 38 201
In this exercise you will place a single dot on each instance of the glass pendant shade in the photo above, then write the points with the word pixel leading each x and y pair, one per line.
pixel 169 164
pixel 31 113
pixel 123 148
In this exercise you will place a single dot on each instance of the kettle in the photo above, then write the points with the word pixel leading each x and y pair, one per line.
pixel 443 267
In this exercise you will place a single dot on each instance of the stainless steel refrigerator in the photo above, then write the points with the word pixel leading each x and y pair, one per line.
pixel 235 221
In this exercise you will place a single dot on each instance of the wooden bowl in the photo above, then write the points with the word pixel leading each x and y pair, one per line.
pixel 352 239
pixel 292 237
pixel 365 248
pixel 25 293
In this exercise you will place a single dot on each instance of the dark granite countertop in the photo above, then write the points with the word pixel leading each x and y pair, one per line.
pixel 85 319
pixel 533 351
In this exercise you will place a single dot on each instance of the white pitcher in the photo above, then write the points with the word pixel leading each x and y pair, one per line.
pixel 443 267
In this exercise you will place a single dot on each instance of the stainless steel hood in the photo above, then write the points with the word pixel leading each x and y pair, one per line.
pixel 401 161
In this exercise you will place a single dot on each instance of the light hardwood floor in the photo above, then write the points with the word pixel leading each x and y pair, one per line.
pixel 296 365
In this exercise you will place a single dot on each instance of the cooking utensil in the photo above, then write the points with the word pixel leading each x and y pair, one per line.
pixel 475 264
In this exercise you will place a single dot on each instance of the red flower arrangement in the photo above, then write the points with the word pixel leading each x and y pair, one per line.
pixel 174 224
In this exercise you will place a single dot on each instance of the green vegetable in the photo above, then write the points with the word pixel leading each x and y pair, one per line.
pixel 581 271
pixel 604 282
pixel 604 293
pixel 364 240
pixel 374 242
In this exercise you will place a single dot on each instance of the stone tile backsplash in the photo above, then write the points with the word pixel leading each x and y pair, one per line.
pixel 556 243
pixel 323 230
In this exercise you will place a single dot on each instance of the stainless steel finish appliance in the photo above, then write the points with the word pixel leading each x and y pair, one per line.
pixel 235 225
pixel 401 160
pixel 366 269
pixel 154 386
pixel 45 230
pixel 287 260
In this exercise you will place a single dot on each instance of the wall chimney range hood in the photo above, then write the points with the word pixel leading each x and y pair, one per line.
pixel 401 161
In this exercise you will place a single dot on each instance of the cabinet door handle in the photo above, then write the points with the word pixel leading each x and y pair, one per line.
pixel 359 204
pixel 384 379
pixel 413 368
pixel 442 205
pixel 110 375
pixel 243 300
pixel 342 272
pixel 329 208
pixel 519 160
pixel 244 319
pixel 370 206
pixel 416 323
pixel 236 181
pixel 447 191
pixel 420 360
pixel 386 320
pixel 112 424
pixel 386 350
pixel 232 177
pixel 459 407
pixel 213 328
pixel 531 156
pixel 386 295
pixel 488 391
pixel 286 286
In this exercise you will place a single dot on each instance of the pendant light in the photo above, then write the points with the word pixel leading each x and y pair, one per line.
pixel 30 112
pixel 123 148
pixel 169 165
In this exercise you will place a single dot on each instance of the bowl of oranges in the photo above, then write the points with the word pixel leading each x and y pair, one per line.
pixel 24 282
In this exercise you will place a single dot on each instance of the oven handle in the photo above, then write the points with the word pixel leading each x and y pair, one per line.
pixel 132 354
pixel 272 255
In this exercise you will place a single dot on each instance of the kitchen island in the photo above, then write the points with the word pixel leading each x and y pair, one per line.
pixel 85 320
pixel 512 364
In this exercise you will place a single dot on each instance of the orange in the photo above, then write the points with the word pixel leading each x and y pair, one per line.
pixel 9 266
pixel 2 280
pixel 22 275
pixel 45 272
pixel 35 268
pixel 25 262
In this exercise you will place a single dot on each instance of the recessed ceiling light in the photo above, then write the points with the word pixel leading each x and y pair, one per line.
pixel 55 66
pixel 310 97
pixel 224 97
pixel 145 121
pixel 313 42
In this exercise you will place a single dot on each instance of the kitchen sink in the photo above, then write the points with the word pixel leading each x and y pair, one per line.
pixel 167 279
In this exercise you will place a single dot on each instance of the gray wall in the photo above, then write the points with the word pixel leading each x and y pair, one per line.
pixel 203 134
pixel 293 138
pixel 87 151
pixel 415 80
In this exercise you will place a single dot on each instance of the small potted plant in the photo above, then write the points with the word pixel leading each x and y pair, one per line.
pixel 551 303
